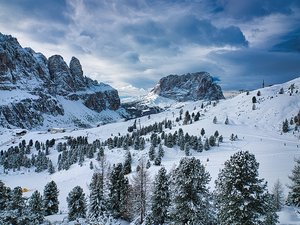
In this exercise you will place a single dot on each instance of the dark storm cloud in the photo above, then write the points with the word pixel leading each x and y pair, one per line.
pixel 290 42
pixel 246 69
pixel 53 10
pixel 247 10
pixel 181 30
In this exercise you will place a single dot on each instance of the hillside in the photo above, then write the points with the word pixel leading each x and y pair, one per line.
pixel 258 129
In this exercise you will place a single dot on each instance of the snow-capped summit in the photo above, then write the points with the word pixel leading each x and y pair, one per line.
pixel 41 92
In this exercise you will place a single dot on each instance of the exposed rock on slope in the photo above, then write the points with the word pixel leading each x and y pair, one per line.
pixel 32 88
pixel 188 87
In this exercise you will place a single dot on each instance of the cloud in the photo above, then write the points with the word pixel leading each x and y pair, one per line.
pixel 246 69
pixel 248 10
pixel 290 42
pixel 132 44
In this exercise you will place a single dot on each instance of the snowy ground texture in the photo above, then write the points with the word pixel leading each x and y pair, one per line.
pixel 259 131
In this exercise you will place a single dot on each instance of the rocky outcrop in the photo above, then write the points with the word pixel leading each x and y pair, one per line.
pixel 47 82
pixel 188 87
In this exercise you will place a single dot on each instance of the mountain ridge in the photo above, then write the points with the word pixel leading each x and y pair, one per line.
pixel 44 81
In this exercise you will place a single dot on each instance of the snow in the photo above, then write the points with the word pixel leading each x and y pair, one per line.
pixel 258 131
pixel 14 96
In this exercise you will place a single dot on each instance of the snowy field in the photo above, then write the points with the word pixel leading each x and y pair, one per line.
pixel 259 131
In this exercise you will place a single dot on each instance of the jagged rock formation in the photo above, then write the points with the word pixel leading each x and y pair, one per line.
pixel 33 87
pixel 188 87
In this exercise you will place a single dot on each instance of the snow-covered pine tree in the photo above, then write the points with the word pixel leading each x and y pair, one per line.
pixel 151 152
pixel 97 201
pixel 285 126
pixel 76 204
pixel 241 197
pixel 206 145
pixel 118 193
pixel 157 161
pixel 161 151
pixel 4 196
pixel 212 140
pixel 50 198
pixel 294 193
pixel 51 168
pixel 160 200
pixel 187 149
pixel 35 208
pixel 15 208
pixel 190 201
pixel 127 163
pixel 278 195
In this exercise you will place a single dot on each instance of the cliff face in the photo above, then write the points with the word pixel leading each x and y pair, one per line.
pixel 33 87
pixel 188 87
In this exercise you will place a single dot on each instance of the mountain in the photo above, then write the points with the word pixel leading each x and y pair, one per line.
pixel 40 92
pixel 172 91
pixel 188 87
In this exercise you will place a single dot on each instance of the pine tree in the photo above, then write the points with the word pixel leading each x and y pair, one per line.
pixel 36 208
pixel 97 201
pixel 51 168
pixel 127 163
pixel 187 149
pixel 190 197
pixel 278 195
pixel 216 134
pixel 157 161
pixel 226 121
pixel 151 152
pixel 202 131
pixel 91 165
pixel 161 151
pixel 50 199
pixel 212 140
pixel 118 192
pixel 242 198
pixel 285 126
pixel 4 196
pixel 76 204
pixel 16 207
pixel 160 200
pixel 215 120
pixel 294 194
pixel 206 145
pixel 197 116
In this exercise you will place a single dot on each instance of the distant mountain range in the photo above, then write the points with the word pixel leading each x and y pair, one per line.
pixel 37 92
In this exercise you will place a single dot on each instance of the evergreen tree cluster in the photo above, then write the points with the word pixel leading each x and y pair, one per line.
pixel 179 197
pixel 21 156
pixel 17 209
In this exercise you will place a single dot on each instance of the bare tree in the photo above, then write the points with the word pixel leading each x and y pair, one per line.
pixel 278 195
pixel 140 190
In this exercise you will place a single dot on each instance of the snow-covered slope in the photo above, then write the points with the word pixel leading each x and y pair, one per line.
pixel 259 131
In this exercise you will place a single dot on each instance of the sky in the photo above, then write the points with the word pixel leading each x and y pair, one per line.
pixel 131 44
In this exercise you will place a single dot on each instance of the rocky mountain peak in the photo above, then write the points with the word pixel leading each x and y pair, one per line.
pixel 188 87
pixel 39 87
pixel 75 67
